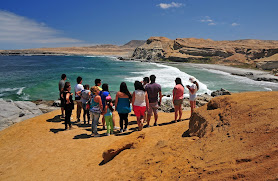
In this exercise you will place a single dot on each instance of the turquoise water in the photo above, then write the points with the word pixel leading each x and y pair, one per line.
pixel 37 77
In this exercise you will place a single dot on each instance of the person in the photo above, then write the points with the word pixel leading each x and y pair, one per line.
pixel 61 89
pixel 122 105
pixel 68 104
pixel 85 98
pixel 95 109
pixel 140 103
pixel 103 94
pixel 108 115
pixel 98 84
pixel 146 81
pixel 178 92
pixel 192 93
pixel 78 87
pixel 153 89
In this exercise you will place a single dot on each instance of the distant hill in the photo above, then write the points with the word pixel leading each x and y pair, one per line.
pixel 134 43
pixel 125 50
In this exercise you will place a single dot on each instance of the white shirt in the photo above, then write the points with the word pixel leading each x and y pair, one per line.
pixel 193 86
pixel 78 87
pixel 139 98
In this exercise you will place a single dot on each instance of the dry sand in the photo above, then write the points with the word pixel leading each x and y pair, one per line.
pixel 238 141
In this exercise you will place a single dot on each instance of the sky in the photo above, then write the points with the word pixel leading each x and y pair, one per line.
pixel 67 23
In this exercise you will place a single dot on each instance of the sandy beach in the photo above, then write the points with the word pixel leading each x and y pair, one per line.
pixel 233 137
pixel 258 75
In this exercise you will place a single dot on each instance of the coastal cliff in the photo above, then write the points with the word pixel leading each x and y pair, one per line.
pixel 254 53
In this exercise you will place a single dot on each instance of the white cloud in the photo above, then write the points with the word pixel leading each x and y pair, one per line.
pixel 171 5
pixel 235 24
pixel 211 24
pixel 17 29
pixel 208 20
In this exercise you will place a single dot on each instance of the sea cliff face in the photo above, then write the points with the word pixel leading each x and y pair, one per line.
pixel 191 49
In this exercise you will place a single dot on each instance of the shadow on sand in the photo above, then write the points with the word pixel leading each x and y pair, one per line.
pixel 56 119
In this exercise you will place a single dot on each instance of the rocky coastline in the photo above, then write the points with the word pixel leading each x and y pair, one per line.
pixel 12 112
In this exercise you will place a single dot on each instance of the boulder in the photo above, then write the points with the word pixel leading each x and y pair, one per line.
pixel 12 112
pixel 220 92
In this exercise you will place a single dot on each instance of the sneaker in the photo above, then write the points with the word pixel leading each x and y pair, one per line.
pixel 115 127
pixel 121 131
pixel 125 129
pixel 146 126
pixel 155 124
pixel 107 134
pixel 96 135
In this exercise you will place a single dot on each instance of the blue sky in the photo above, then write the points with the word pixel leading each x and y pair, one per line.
pixel 56 23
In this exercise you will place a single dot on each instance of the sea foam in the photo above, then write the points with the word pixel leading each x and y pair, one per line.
pixel 165 76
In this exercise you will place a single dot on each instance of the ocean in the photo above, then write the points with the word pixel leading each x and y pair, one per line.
pixel 37 77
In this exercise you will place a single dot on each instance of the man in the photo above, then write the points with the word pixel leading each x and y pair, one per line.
pixel 78 88
pixel 153 89
pixel 146 81
pixel 98 84
pixel 61 89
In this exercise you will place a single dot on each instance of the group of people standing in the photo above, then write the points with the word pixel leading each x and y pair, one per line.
pixel 96 101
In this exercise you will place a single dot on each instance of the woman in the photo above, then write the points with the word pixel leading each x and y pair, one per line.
pixel 140 103
pixel 69 105
pixel 95 109
pixel 192 93
pixel 122 105
pixel 178 98
pixel 85 98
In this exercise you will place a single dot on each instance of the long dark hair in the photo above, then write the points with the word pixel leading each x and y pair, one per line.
pixel 108 103
pixel 178 81
pixel 67 85
pixel 138 86
pixel 105 87
pixel 195 82
pixel 124 89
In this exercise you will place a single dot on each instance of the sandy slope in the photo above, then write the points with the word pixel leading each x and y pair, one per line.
pixel 238 141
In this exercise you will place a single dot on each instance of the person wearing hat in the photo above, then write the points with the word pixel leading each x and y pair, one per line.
pixel 192 93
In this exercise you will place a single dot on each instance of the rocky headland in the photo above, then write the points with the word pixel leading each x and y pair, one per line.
pixel 262 54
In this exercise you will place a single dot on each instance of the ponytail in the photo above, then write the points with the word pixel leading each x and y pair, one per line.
pixel 196 85
pixel 109 106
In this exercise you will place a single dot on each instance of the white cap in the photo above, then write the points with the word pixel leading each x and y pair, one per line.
pixel 192 79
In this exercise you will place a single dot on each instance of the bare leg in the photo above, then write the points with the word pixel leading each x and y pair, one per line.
pixel 155 117
pixel 148 119
pixel 103 122
pixel 63 112
pixel 176 112
pixel 192 107
pixel 180 111
pixel 139 123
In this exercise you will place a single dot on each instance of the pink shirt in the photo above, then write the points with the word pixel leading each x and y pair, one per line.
pixel 179 89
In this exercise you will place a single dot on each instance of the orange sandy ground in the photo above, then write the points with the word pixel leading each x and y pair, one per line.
pixel 39 149
pixel 240 143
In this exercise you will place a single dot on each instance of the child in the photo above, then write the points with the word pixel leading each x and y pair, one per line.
pixel 108 115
